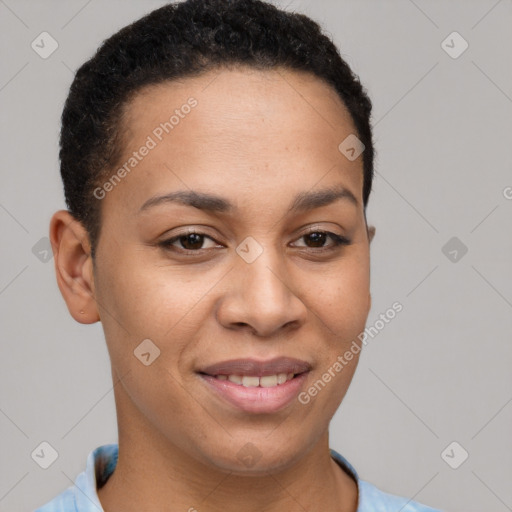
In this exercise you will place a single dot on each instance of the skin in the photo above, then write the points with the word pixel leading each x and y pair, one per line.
pixel 275 135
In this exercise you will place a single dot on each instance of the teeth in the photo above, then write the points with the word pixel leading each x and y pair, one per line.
pixel 250 381
pixel 281 378
pixel 268 381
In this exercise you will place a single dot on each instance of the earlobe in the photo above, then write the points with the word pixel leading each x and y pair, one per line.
pixel 73 266
pixel 371 233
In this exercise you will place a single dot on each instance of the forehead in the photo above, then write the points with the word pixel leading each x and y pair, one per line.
pixel 256 129
pixel 264 95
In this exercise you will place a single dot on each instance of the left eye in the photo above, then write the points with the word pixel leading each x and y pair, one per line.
pixel 318 238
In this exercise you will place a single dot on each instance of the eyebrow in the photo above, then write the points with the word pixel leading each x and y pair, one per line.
pixel 303 201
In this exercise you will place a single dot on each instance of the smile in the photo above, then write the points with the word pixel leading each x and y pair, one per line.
pixel 250 381
pixel 258 387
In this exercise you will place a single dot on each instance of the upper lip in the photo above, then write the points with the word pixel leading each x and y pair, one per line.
pixel 257 368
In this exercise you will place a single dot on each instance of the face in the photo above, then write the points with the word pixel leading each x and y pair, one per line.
pixel 237 244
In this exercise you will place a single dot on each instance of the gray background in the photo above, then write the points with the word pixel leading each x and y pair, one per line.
pixel 438 373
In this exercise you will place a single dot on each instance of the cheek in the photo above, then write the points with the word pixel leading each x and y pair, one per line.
pixel 139 301
pixel 145 296
pixel 344 309
pixel 341 299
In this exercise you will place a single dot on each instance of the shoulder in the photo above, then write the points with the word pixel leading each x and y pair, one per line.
pixel 64 502
pixel 372 499
pixel 83 496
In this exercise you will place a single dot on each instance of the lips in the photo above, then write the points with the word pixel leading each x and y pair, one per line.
pixel 261 387
pixel 255 368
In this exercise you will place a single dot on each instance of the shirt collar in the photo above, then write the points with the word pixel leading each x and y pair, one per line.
pixel 101 463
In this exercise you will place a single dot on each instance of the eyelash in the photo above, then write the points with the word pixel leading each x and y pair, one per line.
pixel 338 241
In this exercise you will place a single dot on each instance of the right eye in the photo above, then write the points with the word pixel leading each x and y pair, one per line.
pixel 191 241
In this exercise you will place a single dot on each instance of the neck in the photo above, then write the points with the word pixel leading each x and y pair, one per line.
pixel 152 472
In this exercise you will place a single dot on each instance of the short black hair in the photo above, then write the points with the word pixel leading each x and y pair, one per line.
pixel 182 40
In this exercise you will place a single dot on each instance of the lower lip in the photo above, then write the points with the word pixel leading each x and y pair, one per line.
pixel 257 399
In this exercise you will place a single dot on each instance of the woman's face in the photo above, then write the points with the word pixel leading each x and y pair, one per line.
pixel 256 281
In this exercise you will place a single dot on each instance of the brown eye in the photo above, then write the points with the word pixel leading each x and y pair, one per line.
pixel 192 241
pixel 317 240
pixel 188 242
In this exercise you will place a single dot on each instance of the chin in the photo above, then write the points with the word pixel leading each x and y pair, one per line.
pixel 258 458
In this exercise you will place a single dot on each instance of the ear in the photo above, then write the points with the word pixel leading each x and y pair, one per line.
pixel 371 232
pixel 73 266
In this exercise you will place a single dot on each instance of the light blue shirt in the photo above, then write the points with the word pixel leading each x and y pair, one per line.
pixel 101 462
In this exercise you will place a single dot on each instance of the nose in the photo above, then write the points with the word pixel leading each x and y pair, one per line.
pixel 261 298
